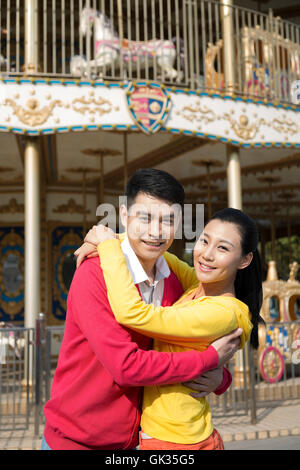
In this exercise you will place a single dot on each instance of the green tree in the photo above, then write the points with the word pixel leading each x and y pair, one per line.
pixel 285 253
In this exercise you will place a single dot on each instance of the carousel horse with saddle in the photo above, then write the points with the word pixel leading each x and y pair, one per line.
pixel 110 49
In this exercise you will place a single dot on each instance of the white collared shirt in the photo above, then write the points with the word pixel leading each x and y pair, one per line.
pixel 152 293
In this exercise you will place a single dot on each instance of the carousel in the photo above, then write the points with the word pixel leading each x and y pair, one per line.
pixel 280 338
pixel 92 90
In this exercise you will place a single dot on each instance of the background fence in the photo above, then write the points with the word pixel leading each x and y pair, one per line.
pixel 270 375
pixel 28 358
pixel 17 377
pixel 113 39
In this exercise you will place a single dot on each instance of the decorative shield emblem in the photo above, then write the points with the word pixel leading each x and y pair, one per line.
pixel 149 105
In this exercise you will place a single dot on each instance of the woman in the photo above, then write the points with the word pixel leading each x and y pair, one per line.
pixel 227 265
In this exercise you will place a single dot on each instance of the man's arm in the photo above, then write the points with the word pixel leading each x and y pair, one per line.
pixel 113 344
pixel 217 380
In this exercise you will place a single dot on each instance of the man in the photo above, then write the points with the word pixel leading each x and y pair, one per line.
pixel 102 366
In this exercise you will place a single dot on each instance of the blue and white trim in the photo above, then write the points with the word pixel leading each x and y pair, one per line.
pixel 46 106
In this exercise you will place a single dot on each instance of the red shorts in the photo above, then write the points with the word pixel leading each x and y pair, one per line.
pixel 213 442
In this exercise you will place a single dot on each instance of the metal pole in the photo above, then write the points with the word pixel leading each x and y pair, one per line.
pixel 125 160
pixel 120 22
pixel 234 177
pixel 252 386
pixel 31 36
pixel 289 230
pixel 272 222
pixel 32 231
pixel 101 195
pixel 32 247
pixel 208 191
pixel 228 40
pixel 234 189
pixel 47 364
pixel 233 159
pixel 38 371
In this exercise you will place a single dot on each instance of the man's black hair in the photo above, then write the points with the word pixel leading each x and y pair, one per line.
pixel 156 183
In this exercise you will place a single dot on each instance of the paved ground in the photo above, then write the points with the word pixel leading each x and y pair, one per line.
pixel 281 420
pixel 279 443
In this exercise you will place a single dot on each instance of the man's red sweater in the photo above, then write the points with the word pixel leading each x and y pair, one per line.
pixel 102 367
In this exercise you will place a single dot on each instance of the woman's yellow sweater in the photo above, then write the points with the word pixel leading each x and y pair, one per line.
pixel 169 412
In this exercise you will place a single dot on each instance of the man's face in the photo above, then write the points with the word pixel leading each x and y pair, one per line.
pixel 150 224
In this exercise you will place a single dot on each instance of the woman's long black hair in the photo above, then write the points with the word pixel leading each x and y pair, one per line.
pixel 248 281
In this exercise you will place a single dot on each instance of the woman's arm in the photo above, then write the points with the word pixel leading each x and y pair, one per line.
pixel 184 273
pixel 206 318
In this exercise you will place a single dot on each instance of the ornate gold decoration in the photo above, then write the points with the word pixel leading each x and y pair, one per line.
pixel 71 208
pixel 285 126
pixel 69 239
pixel 208 162
pixel 65 179
pixel 12 207
pixel 272 289
pixel 197 113
pixel 286 292
pixel 255 55
pixel 272 271
pixel 2 286
pixel 154 107
pixel 293 271
pixel 242 128
pixel 12 239
pixel 33 115
pixel 214 78
pixel 101 152
pixel 84 170
pixel 91 105
pixel 269 179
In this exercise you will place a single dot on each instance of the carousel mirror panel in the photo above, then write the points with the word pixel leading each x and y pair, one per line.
pixel 294 307
pixel 12 275
pixel 63 241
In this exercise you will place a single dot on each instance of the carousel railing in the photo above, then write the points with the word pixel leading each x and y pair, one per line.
pixel 17 376
pixel 176 42
pixel 11 36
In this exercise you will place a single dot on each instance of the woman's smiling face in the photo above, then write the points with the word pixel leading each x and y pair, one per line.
pixel 218 253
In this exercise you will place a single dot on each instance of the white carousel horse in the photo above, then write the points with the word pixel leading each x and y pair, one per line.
pixel 111 50
pixel 3 61
pixel 10 340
